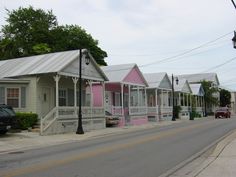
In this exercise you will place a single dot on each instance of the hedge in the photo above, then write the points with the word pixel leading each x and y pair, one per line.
pixel 26 120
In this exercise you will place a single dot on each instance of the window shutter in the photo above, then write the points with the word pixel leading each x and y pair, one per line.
pixel 70 95
pixel 2 95
pixel 23 97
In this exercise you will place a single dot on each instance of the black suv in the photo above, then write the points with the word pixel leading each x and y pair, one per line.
pixel 7 118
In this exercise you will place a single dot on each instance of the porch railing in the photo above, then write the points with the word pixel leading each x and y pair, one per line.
pixel 152 110
pixel 199 109
pixel 166 109
pixel 137 110
pixel 64 112
pixel 185 108
pixel 117 110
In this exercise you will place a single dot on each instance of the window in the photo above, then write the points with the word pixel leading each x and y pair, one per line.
pixel 13 97
pixel 62 97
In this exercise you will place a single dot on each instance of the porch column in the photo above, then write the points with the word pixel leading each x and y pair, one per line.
pixel 57 78
pixel 162 99
pixel 129 97
pixel 138 96
pixel 122 99
pixel 196 100
pixel 103 96
pixel 156 99
pixel 91 102
pixel 179 99
pixel 190 100
pixel 75 80
pixel 145 94
pixel 184 99
pixel 187 100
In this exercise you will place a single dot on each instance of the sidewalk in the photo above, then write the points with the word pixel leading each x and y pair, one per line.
pixel 12 142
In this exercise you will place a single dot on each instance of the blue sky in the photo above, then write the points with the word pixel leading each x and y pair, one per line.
pixel 150 31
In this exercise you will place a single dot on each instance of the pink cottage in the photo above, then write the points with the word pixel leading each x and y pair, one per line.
pixel 125 94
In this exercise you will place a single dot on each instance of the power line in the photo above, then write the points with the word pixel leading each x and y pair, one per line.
pixel 220 65
pixel 189 51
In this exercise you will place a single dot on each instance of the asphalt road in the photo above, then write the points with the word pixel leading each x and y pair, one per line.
pixel 144 153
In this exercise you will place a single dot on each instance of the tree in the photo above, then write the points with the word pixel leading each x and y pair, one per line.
pixel 225 98
pixel 33 31
pixel 210 97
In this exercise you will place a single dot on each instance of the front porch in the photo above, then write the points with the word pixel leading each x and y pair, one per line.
pixel 126 101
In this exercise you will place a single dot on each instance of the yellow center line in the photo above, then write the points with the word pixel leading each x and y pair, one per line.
pixel 54 163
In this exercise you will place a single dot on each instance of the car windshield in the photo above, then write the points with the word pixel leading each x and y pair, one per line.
pixel 9 111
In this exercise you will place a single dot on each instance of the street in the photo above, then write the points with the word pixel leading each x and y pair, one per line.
pixel 143 153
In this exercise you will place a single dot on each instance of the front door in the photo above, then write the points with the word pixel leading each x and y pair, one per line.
pixel 108 101
pixel 45 100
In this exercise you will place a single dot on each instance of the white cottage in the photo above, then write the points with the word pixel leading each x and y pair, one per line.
pixel 158 96
pixel 198 98
pixel 182 97
pixel 48 85
pixel 198 78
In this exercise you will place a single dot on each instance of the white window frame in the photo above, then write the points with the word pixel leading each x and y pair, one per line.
pixel 63 97
pixel 19 98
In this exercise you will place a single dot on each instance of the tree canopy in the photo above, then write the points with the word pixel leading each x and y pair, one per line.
pixel 210 97
pixel 225 98
pixel 32 31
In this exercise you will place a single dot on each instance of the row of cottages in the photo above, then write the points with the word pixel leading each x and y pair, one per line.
pixel 197 79
pixel 48 85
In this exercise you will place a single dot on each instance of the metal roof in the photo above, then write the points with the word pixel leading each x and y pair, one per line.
pixel 196 78
pixel 117 73
pixel 197 89
pixel 155 79
pixel 40 64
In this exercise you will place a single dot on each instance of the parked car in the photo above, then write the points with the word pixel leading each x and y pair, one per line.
pixel 111 120
pixel 7 118
pixel 222 112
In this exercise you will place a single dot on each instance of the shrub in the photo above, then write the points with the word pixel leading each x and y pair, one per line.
pixel 177 110
pixel 26 120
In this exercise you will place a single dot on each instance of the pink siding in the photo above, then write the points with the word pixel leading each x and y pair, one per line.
pixel 134 77
pixel 97 95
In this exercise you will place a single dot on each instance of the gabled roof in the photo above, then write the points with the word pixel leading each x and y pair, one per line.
pixel 197 89
pixel 41 64
pixel 183 86
pixel 158 80
pixel 118 73
pixel 197 78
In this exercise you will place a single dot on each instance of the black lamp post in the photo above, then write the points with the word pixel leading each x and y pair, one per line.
pixel 173 96
pixel 82 53
pixel 234 40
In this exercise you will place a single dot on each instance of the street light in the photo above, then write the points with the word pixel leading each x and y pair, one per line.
pixel 173 99
pixel 82 53
pixel 234 40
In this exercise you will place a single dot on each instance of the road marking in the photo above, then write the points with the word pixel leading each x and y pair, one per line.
pixel 54 163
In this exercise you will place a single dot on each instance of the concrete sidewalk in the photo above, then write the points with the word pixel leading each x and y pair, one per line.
pixel 28 140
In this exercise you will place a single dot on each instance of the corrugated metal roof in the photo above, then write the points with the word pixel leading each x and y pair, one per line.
pixel 182 86
pixel 154 79
pixel 41 64
pixel 197 89
pixel 194 78
pixel 117 73
pixel 47 63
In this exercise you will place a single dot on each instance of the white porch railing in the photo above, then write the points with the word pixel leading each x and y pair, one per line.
pixel 64 112
pixel 199 109
pixel 185 108
pixel 117 110
pixel 166 109
pixel 137 110
pixel 152 110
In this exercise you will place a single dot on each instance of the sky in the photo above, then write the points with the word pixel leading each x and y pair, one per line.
pixel 173 36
